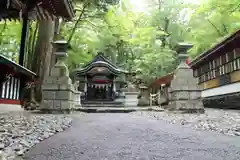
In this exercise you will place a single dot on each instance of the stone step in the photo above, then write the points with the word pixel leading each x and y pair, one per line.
pixel 131 93
pixel 102 102
pixel 117 110
pixel 103 105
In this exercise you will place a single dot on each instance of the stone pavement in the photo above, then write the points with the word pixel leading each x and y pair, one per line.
pixel 115 136
pixel 6 108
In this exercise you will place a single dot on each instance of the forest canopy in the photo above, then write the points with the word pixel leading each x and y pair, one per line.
pixel 137 35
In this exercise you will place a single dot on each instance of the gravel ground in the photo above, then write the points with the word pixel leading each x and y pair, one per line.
pixel 21 130
pixel 115 136
pixel 217 120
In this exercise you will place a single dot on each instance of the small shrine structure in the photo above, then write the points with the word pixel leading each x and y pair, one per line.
pixel 100 80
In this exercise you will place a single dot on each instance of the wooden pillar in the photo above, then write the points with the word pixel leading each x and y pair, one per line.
pixel 24 34
pixel 25 27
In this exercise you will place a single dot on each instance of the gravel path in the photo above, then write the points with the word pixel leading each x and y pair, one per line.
pixel 21 130
pixel 217 120
pixel 130 137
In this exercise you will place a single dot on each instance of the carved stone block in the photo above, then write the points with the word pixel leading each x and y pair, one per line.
pixel 63 95
pixel 57 104
pixel 180 95
pixel 46 104
pixel 50 87
pixel 50 80
pixel 143 101
pixel 55 72
pixel 195 95
pixel 64 80
pixel 49 95
pixel 66 87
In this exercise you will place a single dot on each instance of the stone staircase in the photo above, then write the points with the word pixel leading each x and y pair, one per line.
pixel 120 105
pixel 126 102
pixel 102 104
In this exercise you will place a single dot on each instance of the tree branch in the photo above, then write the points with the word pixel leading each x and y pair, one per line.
pixel 219 32
pixel 225 28
pixel 94 25
pixel 235 9
pixel 76 24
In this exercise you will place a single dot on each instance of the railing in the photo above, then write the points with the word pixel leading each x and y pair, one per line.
pixel 154 97
pixel 10 88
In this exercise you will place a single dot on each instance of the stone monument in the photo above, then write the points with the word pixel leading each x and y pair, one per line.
pixel 58 90
pixel 143 99
pixel 184 93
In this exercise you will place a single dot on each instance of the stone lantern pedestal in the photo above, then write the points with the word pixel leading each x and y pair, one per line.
pixel 58 90
pixel 143 99
pixel 184 92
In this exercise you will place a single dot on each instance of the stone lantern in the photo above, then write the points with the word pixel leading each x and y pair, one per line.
pixel 181 49
pixel 184 92
pixel 61 54
pixel 58 90
pixel 61 47
pixel 143 99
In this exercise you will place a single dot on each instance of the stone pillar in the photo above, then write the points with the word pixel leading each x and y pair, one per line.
pixel 143 99
pixel 184 92
pixel 58 90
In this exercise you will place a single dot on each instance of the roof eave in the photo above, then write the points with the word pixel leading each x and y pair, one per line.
pixel 70 9
pixel 22 69
pixel 216 47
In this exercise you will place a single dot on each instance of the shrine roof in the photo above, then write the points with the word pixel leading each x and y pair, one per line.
pixel 40 9
pixel 20 69
pixel 230 41
pixel 100 61
pixel 162 80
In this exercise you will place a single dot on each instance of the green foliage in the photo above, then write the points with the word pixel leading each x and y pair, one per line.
pixel 10 33
pixel 129 39
pixel 137 41
pixel 210 22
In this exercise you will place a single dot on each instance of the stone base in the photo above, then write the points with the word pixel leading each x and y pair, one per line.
pixel 186 106
pixel 57 105
pixel 54 111
pixel 188 111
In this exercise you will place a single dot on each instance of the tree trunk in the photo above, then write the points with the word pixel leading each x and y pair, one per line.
pixel 43 53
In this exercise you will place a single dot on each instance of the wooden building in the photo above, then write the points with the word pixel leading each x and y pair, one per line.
pixel 218 73
pixel 14 77
pixel 161 86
